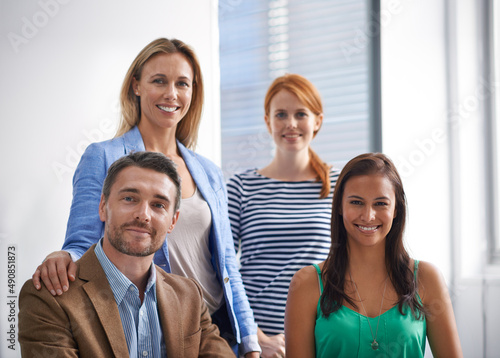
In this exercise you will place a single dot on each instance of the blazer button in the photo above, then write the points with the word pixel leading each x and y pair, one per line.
pixel 226 280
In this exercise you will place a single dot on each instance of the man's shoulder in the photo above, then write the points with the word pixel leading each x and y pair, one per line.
pixel 29 294
pixel 88 267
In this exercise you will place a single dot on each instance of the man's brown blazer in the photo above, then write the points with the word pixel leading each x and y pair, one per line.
pixel 84 321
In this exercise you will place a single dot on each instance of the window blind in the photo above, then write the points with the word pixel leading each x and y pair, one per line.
pixel 327 41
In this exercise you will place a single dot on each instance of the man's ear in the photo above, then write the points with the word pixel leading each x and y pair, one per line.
pixel 102 209
pixel 175 217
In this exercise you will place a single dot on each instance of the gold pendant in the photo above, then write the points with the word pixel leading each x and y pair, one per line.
pixel 374 345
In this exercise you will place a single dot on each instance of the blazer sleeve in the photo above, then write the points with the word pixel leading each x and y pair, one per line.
pixel 84 225
pixel 236 297
pixel 44 329
pixel 241 306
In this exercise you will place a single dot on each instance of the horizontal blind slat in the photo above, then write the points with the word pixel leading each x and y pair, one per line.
pixel 314 39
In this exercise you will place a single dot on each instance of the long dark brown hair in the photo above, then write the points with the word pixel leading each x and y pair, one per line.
pixel 397 260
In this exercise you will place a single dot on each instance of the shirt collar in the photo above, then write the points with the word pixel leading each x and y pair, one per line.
pixel 119 283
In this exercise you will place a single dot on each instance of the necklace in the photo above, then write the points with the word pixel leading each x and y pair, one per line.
pixel 374 343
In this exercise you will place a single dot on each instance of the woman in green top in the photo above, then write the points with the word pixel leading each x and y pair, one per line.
pixel 369 298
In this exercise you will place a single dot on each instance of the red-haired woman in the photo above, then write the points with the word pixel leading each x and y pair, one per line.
pixel 280 214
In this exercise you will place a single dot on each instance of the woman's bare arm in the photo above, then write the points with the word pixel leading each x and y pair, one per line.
pixel 300 314
pixel 441 327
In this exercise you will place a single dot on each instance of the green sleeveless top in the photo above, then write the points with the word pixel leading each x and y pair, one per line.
pixel 346 333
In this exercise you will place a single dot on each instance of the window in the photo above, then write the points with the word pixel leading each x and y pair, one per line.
pixel 332 43
pixel 492 72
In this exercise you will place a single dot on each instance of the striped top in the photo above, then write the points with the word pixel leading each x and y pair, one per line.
pixel 279 227
pixel 140 322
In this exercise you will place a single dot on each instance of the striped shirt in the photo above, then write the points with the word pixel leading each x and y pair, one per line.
pixel 279 227
pixel 141 323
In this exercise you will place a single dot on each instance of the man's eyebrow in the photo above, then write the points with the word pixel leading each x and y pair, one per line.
pixel 162 197
pixel 136 191
pixel 129 190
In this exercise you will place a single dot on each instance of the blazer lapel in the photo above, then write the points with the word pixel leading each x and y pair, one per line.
pixel 199 176
pixel 132 140
pixel 209 193
pixel 101 296
pixel 171 324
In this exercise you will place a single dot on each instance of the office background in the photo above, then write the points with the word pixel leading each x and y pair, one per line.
pixel 63 61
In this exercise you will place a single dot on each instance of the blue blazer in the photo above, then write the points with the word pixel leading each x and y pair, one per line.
pixel 85 228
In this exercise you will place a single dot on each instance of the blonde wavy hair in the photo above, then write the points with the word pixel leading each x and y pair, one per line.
pixel 187 129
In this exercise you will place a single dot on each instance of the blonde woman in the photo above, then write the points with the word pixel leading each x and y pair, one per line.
pixel 162 100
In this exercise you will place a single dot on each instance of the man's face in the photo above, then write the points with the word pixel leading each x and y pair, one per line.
pixel 139 211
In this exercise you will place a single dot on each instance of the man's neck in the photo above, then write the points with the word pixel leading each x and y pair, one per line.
pixel 136 269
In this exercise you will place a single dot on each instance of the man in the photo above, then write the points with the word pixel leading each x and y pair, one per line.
pixel 120 304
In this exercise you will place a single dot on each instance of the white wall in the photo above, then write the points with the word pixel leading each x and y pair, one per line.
pixel 62 63
pixel 433 127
